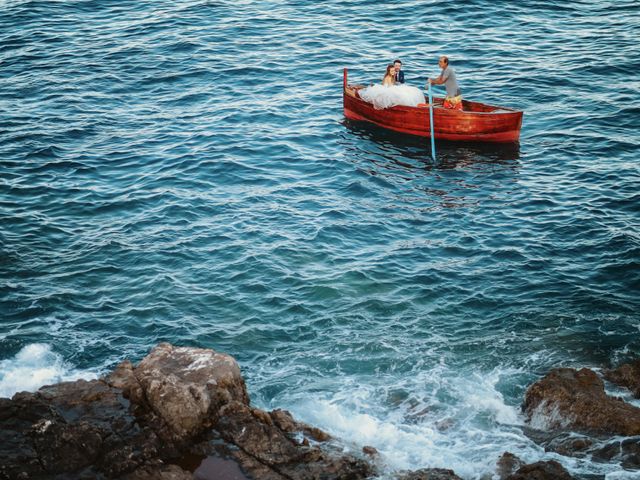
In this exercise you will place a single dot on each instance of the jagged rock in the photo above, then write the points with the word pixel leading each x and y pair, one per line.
pixel 285 422
pixel 510 467
pixel 186 387
pixel 17 451
pixel 550 470
pixel 125 379
pixel 567 399
pixel 371 451
pixel 569 444
pixel 254 468
pixel 630 454
pixel 429 474
pixel 507 464
pixel 259 437
pixel 626 452
pixel 72 427
pixel 216 446
pixel 269 445
pixel 627 376
pixel 164 472
pixel 138 420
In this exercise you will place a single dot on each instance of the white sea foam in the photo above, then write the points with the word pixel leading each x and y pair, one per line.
pixel 36 365
pixel 621 475
pixel 546 416
pixel 436 419
pixel 446 420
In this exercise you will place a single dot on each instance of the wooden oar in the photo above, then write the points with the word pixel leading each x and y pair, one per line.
pixel 433 142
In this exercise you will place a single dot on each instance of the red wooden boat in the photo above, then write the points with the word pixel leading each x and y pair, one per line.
pixel 476 122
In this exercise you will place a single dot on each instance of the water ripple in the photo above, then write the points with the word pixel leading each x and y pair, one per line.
pixel 182 171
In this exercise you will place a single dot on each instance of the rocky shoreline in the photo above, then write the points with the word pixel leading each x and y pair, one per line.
pixel 184 413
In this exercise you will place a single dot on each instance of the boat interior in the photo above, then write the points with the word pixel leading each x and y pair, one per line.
pixel 467 106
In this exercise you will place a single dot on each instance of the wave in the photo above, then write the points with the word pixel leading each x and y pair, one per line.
pixel 34 366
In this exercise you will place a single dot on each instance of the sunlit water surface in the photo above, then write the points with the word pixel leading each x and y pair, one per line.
pixel 181 171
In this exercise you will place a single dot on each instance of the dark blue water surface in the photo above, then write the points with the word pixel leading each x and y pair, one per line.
pixel 181 171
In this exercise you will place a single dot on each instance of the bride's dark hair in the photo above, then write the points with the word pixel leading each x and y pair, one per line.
pixel 388 73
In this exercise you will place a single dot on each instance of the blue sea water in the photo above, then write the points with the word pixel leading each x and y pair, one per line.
pixel 182 171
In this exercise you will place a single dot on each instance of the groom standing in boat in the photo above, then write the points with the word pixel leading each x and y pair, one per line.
pixel 448 77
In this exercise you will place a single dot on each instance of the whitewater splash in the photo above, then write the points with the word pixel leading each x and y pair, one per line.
pixel 36 365
pixel 462 422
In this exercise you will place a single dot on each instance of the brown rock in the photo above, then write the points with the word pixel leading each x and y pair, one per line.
pixel 125 379
pixel 626 452
pixel 164 472
pixel 64 447
pixel 265 442
pixel 17 417
pixel 317 434
pixel 254 468
pixel 507 464
pixel 178 403
pixel 371 451
pixel 627 376
pixel 72 427
pixel 284 421
pixel 187 386
pixel 567 399
pixel 569 444
pixel 550 470
pixel 262 416
pixel 429 474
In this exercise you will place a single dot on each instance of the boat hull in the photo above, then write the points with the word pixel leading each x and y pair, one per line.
pixel 476 123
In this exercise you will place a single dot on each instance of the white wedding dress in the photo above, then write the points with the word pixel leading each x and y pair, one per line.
pixel 388 96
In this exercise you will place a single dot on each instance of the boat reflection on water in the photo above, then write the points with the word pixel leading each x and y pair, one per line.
pixel 476 172
pixel 449 154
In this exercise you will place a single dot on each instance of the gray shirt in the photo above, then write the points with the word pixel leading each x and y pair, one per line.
pixel 451 84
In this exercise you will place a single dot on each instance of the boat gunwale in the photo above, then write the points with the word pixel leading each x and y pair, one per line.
pixel 499 110
pixel 498 125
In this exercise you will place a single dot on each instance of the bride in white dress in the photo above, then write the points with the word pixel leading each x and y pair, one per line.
pixel 388 94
